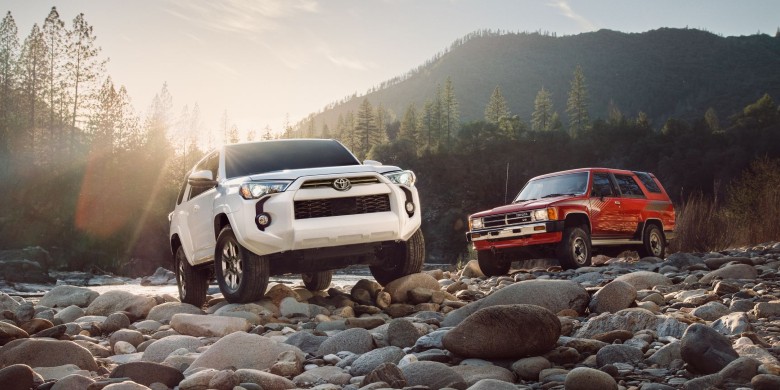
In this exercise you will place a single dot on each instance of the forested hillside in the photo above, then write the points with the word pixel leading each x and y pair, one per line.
pixel 92 180
pixel 663 73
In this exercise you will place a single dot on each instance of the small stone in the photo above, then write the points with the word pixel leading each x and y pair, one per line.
pixel 584 378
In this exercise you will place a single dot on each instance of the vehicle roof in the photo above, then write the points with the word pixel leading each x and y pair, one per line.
pixel 577 170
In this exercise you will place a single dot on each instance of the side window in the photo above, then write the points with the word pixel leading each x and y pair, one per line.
pixel 628 187
pixel 602 186
pixel 181 192
pixel 210 164
pixel 648 181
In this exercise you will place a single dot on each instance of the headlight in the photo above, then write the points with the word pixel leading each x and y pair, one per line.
pixel 548 214
pixel 257 189
pixel 406 178
pixel 476 223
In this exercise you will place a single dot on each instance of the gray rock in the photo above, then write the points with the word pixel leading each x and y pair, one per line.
pixel 682 260
pixel 369 361
pixel 632 320
pixel 73 382
pixel 477 337
pixel 264 379
pixel 17 377
pixel 115 322
pixel 492 384
pixel 529 368
pixel 618 353
pixel 435 375
pixel 666 354
pixel 147 373
pixel 307 342
pixel 553 295
pixel 740 371
pixel 399 288
pixel 241 350
pixel 64 296
pixel 473 374
pixel 736 271
pixel 208 326
pixel 57 353
pixel 355 340
pixel 733 324
pixel 614 296
pixel 710 311
pixel 706 350
pixel 322 375
pixel 69 314
pixel 8 303
pixel 430 340
pixel 402 333
pixel 644 280
pixel 133 337
pixel 164 312
pixel 137 306
pixel 160 349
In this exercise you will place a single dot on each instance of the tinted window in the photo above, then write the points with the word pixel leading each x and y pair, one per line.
pixel 648 181
pixel 269 156
pixel 211 163
pixel 628 187
pixel 602 185
pixel 548 187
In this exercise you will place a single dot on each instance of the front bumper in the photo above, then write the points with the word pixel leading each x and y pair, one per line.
pixel 517 235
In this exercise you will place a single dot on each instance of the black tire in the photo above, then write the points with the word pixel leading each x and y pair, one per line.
pixel 404 258
pixel 492 265
pixel 193 283
pixel 574 249
pixel 317 281
pixel 653 242
pixel 241 274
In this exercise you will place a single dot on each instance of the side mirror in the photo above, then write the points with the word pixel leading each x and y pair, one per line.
pixel 202 178
pixel 372 162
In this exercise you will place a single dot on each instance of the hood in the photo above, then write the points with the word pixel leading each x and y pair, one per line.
pixel 294 174
pixel 522 206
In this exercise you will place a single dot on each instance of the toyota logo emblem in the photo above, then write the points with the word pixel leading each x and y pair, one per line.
pixel 342 184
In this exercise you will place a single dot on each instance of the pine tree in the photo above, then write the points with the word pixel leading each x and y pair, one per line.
pixel 410 125
pixel 541 119
pixel 32 71
pixel 366 130
pixel 9 51
pixel 158 124
pixel 496 108
pixel 450 113
pixel 614 115
pixel 54 35
pixel 83 68
pixel 326 132
pixel 711 117
pixel 233 136
pixel 577 105
pixel 382 120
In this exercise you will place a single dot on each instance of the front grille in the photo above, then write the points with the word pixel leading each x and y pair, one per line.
pixel 507 219
pixel 328 183
pixel 334 207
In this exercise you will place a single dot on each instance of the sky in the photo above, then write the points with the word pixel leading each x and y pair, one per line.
pixel 265 62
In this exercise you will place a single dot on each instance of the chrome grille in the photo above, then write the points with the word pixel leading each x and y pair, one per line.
pixel 507 219
pixel 328 183
pixel 318 208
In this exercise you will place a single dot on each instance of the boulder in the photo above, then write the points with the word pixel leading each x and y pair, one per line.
pixel 138 306
pixel 614 296
pixel 369 361
pixel 264 379
pixel 10 333
pixel 164 312
pixel 64 296
pixel 553 295
pixel 160 349
pixel 208 326
pixel 355 340
pixel 399 288
pixel 492 332
pixel 57 353
pixel 584 378
pixel 147 373
pixel 706 350
pixel 434 375
pixel 644 280
pixel 326 374
pixel 474 373
pixel 734 271
pixel 17 377
pixel 241 350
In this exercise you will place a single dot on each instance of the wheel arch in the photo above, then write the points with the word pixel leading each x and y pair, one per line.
pixel 175 243
pixel 220 221
pixel 577 219
pixel 654 222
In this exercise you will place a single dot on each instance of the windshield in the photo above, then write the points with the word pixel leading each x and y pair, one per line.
pixel 548 187
pixel 269 156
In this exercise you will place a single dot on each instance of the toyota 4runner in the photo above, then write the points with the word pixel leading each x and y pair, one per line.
pixel 251 210
pixel 569 214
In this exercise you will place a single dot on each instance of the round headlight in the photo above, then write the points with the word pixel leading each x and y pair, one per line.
pixel 476 223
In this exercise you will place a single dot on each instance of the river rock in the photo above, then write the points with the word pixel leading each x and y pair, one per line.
pixel 735 271
pixel 241 350
pixel 492 384
pixel 553 295
pixel 618 353
pixel 208 326
pixel 434 375
pixel 65 295
pixel 73 382
pixel 476 336
pixel 473 374
pixel 160 349
pixel 138 306
pixel 387 373
pixel 369 361
pixel 264 379
pixel 402 333
pixel 706 350
pixel 584 378
pixel 644 280
pixel 10 332
pixel 57 353
pixel 17 377
pixel 147 373
pixel 614 296
pixel 530 367
pixel 306 341
pixel 399 288
pixel 355 340
pixel 164 312
pixel 710 311
pixel 327 374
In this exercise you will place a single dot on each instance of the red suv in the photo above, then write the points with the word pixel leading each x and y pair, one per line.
pixel 569 214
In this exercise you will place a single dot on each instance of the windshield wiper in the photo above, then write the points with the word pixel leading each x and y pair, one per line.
pixel 554 195
pixel 523 200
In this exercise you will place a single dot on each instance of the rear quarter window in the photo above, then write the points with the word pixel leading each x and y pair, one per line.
pixel 629 187
pixel 648 181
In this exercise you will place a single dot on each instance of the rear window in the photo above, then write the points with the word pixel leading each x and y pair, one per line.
pixel 648 181
pixel 270 156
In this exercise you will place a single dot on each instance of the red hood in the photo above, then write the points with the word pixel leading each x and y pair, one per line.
pixel 522 206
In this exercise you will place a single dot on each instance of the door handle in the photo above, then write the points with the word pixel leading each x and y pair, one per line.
pixel 617 202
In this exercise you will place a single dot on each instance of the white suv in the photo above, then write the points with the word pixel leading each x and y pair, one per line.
pixel 251 210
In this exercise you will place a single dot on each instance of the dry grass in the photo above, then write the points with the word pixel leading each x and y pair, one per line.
pixel 702 226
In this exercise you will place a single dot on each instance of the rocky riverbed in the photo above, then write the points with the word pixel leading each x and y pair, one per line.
pixel 690 321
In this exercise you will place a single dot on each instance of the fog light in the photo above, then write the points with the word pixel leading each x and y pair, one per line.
pixel 263 220
pixel 409 207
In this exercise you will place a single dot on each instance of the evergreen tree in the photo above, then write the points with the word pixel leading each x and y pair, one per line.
pixel 32 71
pixel 382 119
pixel 83 68
pixel 642 121
pixel 711 117
pixel 326 132
pixel 267 135
pixel 428 125
pixel 54 35
pixel 541 119
pixel 349 136
pixel 233 136
pixel 496 108
pixel 158 124
pixel 105 119
pixel 614 115
pixel 366 129
pixel 450 113
pixel 577 105
pixel 410 125
pixel 310 128
pixel 9 49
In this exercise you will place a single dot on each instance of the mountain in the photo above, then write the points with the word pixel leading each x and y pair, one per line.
pixel 665 73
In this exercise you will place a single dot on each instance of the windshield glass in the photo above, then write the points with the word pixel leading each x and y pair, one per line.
pixel 269 156
pixel 548 187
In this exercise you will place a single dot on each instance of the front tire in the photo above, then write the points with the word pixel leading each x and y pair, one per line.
pixel 317 281
pixel 241 274
pixel 193 283
pixel 574 249
pixel 404 258
pixel 492 265
pixel 653 242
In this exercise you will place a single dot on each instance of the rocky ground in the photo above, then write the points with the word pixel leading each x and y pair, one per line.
pixel 691 321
